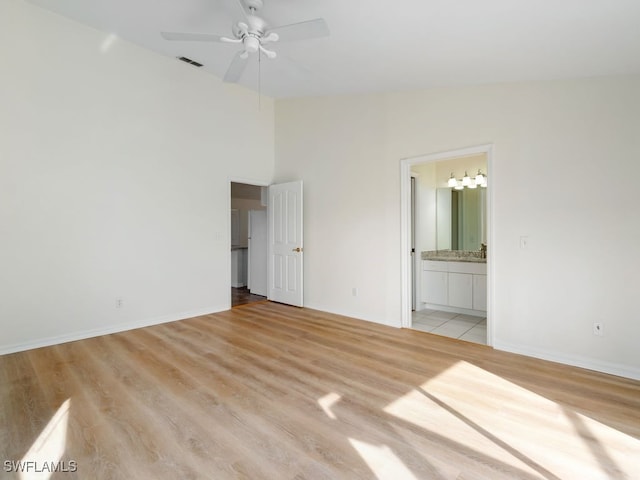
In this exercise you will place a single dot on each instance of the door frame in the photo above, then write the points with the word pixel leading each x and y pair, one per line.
pixel 405 228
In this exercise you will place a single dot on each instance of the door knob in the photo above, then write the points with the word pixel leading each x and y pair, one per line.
pixel 297 249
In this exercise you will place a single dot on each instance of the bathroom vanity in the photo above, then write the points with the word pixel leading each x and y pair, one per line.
pixel 455 286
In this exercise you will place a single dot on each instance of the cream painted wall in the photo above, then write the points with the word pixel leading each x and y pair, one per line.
pixel 563 174
pixel 114 181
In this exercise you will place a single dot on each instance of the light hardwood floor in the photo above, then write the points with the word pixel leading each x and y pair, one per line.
pixel 266 391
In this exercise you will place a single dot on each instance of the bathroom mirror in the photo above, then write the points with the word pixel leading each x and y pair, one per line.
pixel 461 218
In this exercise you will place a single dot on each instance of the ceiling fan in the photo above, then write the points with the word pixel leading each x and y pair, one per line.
pixel 253 33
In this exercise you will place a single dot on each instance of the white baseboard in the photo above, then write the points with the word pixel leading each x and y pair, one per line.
pixel 320 308
pixel 107 330
pixel 574 360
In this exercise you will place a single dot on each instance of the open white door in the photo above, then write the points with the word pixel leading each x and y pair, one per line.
pixel 285 243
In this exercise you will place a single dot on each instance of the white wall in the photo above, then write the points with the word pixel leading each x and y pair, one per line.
pixel 114 181
pixel 564 174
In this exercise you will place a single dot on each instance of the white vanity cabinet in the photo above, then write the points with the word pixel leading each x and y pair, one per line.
pixel 435 287
pixel 480 292
pixel 460 290
pixel 458 286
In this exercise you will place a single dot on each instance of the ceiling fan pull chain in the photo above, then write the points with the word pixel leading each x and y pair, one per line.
pixel 259 80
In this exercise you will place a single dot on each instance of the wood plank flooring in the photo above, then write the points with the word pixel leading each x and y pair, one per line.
pixel 242 296
pixel 268 391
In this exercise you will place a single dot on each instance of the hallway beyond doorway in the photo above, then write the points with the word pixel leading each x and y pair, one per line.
pixel 242 296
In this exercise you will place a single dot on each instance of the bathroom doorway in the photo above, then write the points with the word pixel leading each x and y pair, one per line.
pixel 447 291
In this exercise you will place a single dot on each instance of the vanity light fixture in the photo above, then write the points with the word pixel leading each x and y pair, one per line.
pixel 480 180
pixel 452 181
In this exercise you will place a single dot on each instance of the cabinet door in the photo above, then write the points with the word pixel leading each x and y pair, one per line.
pixel 434 287
pixel 480 292
pixel 461 290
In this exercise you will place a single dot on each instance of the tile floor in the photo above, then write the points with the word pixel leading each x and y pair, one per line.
pixel 455 325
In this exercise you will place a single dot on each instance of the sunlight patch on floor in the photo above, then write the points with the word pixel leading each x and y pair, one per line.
pixel 382 461
pixel 49 447
pixel 523 429
pixel 327 402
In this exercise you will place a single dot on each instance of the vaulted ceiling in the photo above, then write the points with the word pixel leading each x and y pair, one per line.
pixel 381 46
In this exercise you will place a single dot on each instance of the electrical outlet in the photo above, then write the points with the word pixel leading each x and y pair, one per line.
pixel 119 302
pixel 597 329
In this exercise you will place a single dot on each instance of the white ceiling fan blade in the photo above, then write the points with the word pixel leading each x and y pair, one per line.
pixel 302 31
pixel 194 37
pixel 236 10
pixel 238 64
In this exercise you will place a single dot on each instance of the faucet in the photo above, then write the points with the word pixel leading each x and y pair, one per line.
pixel 483 250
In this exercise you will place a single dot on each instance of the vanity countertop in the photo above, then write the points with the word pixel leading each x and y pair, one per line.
pixel 454 259
pixel 453 256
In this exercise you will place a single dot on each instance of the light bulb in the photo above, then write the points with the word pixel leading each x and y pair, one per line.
pixel 466 180
pixel 484 182
pixel 472 184
pixel 479 177
pixel 251 44
pixel 459 186
pixel 452 181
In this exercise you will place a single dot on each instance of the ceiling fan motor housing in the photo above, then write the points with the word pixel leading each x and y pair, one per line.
pixel 256 26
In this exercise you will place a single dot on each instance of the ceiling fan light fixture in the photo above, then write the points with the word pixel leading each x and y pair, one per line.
pixel 251 44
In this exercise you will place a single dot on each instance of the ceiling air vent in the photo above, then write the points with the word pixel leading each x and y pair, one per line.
pixel 188 60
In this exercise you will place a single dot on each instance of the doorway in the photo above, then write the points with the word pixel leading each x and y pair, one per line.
pixel 450 292
pixel 248 244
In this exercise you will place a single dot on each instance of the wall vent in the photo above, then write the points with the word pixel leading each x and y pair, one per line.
pixel 188 60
